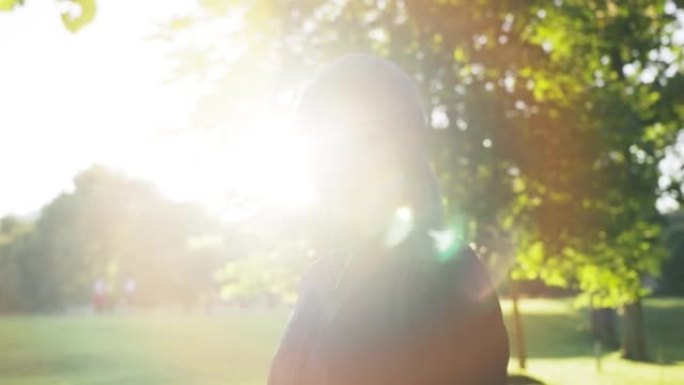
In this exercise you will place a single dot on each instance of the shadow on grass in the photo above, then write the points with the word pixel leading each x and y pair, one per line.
pixel 54 365
pixel 553 335
pixel 520 379
pixel 664 320
pixel 87 368
pixel 564 334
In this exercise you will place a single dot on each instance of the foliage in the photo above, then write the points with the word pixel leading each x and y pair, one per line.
pixel 549 118
pixel 113 228
pixel 78 16
pixel 12 231
pixel 271 264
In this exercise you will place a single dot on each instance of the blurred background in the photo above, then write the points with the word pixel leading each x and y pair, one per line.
pixel 156 211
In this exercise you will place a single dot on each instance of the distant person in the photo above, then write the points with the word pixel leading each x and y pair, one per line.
pixel 129 292
pixel 99 295
pixel 385 304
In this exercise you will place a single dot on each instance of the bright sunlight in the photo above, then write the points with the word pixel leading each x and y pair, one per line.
pixel 152 131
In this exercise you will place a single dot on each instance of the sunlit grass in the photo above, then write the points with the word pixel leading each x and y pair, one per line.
pixel 235 348
pixel 561 351
pixel 183 349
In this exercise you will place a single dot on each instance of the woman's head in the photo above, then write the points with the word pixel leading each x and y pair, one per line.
pixel 367 126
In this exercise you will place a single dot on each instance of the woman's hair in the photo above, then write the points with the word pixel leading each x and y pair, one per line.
pixel 359 91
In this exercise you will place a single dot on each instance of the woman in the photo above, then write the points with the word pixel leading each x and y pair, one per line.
pixel 384 305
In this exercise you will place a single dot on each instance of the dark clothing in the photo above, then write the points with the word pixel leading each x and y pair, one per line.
pixel 409 322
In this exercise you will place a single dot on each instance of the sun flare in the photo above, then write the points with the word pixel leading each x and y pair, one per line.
pixel 256 170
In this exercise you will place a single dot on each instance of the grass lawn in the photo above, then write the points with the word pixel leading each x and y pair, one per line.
pixel 560 350
pixel 236 348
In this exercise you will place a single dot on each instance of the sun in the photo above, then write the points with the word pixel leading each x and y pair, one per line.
pixel 273 169
pixel 269 167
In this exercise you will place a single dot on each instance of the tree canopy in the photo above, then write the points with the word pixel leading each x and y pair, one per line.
pixel 110 228
pixel 549 118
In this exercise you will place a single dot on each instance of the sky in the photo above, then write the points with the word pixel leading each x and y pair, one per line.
pixel 105 95
pixel 69 100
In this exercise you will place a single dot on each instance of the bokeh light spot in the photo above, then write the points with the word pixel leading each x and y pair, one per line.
pixel 400 226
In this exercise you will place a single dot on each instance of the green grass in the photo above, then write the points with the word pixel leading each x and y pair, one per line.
pixel 236 348
pixel 151 349
pixel 560 350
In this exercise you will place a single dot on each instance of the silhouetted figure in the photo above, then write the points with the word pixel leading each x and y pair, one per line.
pixel 393 300
pixel 129 288
pixel 100 295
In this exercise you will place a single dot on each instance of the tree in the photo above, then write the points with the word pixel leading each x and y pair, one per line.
pixel 12 233
pixel 673 272
pixel 114 228
pixel 549 118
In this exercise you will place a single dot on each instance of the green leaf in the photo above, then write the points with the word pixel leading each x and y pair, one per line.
pixel 8 5
pixel 74 23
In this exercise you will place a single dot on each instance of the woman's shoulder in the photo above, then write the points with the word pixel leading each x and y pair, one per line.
pixel 463 275
pixel 319 274
pixel 458 261
pixel 320 279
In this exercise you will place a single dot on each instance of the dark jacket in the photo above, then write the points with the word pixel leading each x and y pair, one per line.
pixel 412 321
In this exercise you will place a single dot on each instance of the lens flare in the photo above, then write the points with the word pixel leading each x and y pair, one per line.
pixel 400 226
pixel 447 242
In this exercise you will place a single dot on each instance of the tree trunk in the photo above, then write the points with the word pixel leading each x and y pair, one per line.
pixel 634 339
pixel 604 328
pixel 518 327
